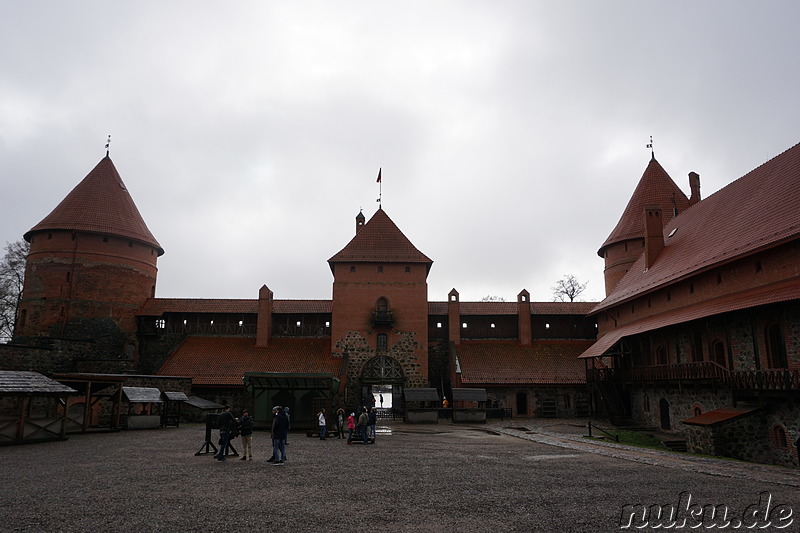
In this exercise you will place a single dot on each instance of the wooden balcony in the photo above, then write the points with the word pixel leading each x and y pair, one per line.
pixel 744 380
pixel 382 318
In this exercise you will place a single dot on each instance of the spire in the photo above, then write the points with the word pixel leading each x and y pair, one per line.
pixel 380 240
pixel 652 150
pixel 655 187
pixel 100 203
pixel 108 144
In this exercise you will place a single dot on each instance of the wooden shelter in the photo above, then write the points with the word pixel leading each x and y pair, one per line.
pixel 98 405
pixel 32 408
pixel 144 407
pixel 421 406
pixel 469 405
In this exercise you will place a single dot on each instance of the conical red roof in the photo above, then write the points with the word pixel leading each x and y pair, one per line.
pixel 99 204
pixel 655 188
pixel 380 241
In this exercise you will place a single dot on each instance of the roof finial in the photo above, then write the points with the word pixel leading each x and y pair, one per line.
pixel 652 151
pixel 108 143
pixel 380 188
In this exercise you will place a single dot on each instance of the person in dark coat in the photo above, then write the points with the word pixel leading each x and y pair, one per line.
pixel 280 430
pixel 373 421
pixel 246 431
pixel 226 424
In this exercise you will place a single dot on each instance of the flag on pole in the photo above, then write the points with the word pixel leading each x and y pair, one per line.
pixel 379 176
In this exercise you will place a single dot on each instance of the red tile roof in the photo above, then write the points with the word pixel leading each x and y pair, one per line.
pixel 99 204
pixel 380 241
pixel 510 308
pixel 159 306
pixel 778 292
pixel 717 416
pixel 655 188
pixel 755 212
pixel 221 361
pixel 509 363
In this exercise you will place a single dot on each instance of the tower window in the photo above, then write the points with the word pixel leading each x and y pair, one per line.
pixel 408 269
pixel 353 268
pixel 383 341
pixel 758 266
pixel 130 244
pixel 380 269
pixel 719 279
pixel 105 239
pixel 49 236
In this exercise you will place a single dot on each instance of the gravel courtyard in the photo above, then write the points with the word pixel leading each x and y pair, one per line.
pixel 415 478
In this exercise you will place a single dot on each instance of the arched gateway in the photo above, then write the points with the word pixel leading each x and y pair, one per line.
pixel 383 373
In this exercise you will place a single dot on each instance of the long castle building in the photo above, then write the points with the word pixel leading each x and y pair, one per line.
pixel 699 333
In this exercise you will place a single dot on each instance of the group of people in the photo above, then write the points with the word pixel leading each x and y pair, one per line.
pixel 362 426
pixel 230 427
pixel 359 426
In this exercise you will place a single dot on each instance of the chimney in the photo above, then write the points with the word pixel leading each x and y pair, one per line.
pixel 359 221
pixel 264 321
pixel 524 317
pixel 453 317
pixel 653 234
pixel 694 186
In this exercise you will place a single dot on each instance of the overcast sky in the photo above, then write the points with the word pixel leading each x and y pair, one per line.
pixel 511 134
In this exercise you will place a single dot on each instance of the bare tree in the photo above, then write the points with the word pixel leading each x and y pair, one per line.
pixel 12 276
pixel 568 288
pixel 490 298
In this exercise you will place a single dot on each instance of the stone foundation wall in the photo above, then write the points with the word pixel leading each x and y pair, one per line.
pixel 406 352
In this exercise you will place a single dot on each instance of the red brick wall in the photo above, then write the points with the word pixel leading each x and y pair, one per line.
pixel 91 276
pixel 356 290
pixel 618 259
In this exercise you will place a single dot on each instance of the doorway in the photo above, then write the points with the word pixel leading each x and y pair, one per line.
pixel 522 403
pixel 663 408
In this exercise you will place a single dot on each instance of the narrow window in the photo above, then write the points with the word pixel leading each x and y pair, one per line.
pixel 49 236
pixel 408 269
pixel 758 266
pixel 130 244
pixel 380 269
pixel 779 437
pixel 68 273
pixel 383 341
pixel 719 279
pixel 352 268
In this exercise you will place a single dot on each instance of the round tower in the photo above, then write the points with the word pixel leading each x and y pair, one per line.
pixel 91 266
pixel 625 244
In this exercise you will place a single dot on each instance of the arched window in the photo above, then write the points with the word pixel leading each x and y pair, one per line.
pixel 779 439
pixel 776 349
pixel 382 305
pixel 661 355
pixel 697 410
pixel 646 403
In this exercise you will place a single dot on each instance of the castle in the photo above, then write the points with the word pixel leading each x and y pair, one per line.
pixel 699 333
